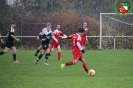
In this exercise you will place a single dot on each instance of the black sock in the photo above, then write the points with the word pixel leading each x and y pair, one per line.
pixel 2 52
pixel 39 57
pixel 46 56
pixel 38 50
pixel 14 57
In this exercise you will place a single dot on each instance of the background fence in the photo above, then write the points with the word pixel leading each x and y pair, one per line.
pixel 32 15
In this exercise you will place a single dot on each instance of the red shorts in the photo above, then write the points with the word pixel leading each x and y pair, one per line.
pixel 77 56
pixel 54 45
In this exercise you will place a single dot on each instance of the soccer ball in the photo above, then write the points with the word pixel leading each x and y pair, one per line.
pixel 92 72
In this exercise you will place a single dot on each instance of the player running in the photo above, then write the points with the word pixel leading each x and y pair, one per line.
pixel 46 36
pixel 76 50
pixel 9 42
pixel 55 43
pixel 40 38
pixel 83 37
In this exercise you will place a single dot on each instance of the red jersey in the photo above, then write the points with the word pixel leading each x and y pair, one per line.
pixel 83 37
pixel 76 43
pixel 56 34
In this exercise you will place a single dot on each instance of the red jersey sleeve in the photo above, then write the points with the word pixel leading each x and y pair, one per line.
pixel 69 37
pixel 61 33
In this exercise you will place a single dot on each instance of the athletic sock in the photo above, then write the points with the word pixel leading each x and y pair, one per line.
pixel 38 50
pixel 39 57
pixel 69 63
pixel 85 67
pixel 59 55
pixel 14 56
pixel 2 52
pixel 46 57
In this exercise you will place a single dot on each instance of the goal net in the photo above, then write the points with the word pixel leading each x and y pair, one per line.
pixel 116 32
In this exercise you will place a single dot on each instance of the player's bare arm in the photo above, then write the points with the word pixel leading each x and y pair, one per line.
pixel 14 37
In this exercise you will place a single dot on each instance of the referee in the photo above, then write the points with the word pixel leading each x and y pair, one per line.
pixel 9 42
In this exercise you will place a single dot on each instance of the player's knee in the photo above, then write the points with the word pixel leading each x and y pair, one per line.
pixel 52 50
pixel 42 51
pixel 14 51
pixel 59 50
pixel 5 51
pixel 75 62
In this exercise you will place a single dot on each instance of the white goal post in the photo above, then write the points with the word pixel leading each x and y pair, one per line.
pixel 114 19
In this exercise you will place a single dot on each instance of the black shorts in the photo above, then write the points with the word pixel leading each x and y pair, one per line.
pixel 45 46
pixel 9 44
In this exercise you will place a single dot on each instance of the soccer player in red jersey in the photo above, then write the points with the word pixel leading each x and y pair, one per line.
pixel 77 50
pixel 55 43
pixel 83 37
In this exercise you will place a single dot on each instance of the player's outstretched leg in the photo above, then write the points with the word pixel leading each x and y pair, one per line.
pixel 37 51
pixel 39 57
pixel 69 63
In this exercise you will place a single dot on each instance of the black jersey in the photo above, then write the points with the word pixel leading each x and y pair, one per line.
pixel 10 32
pixel 47 35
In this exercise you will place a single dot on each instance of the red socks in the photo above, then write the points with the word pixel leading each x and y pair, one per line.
pixel 59 55
pixel 69 63
pixel 85 67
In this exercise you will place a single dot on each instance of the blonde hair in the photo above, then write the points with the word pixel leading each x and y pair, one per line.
pixel 48 24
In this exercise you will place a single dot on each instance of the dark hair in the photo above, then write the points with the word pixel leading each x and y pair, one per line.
pixel 81 30
pixel 13 23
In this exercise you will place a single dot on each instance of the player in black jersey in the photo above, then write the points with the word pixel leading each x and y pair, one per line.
pixel 9 42
pixel 45 37
pixel 40 38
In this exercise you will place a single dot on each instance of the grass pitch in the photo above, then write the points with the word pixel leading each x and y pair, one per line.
pixel 114 69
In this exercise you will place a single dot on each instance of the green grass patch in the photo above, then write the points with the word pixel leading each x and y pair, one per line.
pixel 114 69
